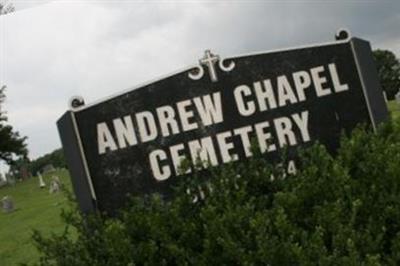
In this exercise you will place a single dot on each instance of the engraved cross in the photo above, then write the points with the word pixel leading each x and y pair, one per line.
pixel 209 60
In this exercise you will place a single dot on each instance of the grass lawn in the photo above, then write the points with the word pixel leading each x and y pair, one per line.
pixel 35 209
pixel 394 109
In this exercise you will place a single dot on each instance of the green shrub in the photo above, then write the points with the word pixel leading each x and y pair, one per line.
pixel 334 211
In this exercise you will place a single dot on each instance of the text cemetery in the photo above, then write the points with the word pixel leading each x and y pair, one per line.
pixel 260 96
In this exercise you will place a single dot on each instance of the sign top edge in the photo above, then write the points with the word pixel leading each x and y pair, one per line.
pixel 143 84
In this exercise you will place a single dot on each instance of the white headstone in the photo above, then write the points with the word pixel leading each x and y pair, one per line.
pixel 42 184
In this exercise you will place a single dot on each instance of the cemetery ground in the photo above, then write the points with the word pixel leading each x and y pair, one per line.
pixel 38 209
pixel 35 209
pixel 394 108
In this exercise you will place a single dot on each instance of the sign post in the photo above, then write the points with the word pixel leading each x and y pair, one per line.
pixel 133 143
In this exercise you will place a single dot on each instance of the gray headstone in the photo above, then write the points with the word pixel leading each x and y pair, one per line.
pixel 48 168
pixel 8 204
pixel 55 185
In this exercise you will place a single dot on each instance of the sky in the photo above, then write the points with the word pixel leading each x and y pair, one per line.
pixel 52 50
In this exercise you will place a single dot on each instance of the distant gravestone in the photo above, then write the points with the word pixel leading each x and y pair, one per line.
pixel 55 185
pixel 134 142
pixel 42 184
pixel 48 168
pixel 8 204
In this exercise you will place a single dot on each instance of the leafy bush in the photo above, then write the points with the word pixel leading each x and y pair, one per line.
pixel 334 211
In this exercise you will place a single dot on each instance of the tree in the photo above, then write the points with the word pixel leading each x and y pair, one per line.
pixel 388 67
pixel 55 158
pixel 12 145
pixel 6 8
pixel 342 210
pixel 19 168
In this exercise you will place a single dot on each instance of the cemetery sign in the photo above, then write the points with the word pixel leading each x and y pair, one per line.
pixel 133 143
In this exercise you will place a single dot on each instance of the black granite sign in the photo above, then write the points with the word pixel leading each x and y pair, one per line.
pixel 133 143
